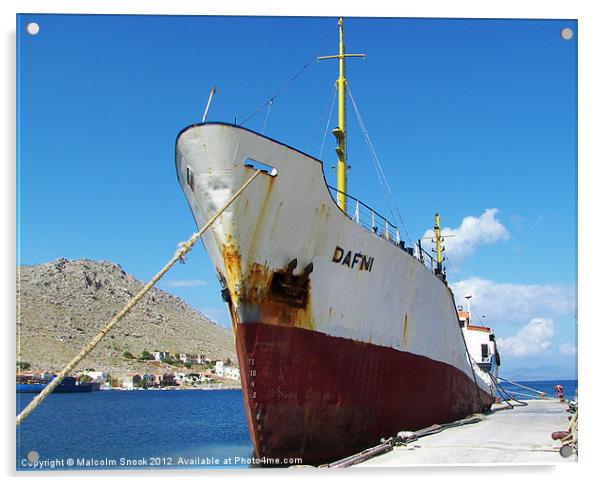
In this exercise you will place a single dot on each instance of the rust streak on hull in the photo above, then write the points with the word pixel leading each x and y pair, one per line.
pixel 255 292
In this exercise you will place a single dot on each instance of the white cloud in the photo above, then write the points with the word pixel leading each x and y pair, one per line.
pixel 473 232
pixel 508 302
pixel 185 283
pixel 532 339
pixel 567 349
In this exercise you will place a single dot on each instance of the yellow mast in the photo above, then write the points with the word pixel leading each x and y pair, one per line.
pixel 438 244
pixel 438 238
pixel 340 131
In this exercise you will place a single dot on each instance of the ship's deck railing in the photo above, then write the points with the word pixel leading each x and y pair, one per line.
pixel 425 258
pixel 367 217
pixel 370 219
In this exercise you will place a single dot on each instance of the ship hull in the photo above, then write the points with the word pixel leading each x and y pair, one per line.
pixel 342 335
pixel 319 398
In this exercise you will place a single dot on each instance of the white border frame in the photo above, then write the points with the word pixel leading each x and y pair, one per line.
pixel 589 108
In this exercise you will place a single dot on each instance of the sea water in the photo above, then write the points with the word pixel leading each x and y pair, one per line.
pixel 569 388
pixel 135 429
pixel 146 429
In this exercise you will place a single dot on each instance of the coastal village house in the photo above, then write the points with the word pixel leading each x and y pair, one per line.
pixel 160 355
pixel 149 380
pixel 34 375
pixel 192 358
pixel 232 372
pixel 168 379
pixel 100 377
pixel 131 380
pixel 227 371
pixel 192 377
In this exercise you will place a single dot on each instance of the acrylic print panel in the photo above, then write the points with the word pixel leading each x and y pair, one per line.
pixel 315 318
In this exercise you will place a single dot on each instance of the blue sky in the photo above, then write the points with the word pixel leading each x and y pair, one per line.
pixel 465 115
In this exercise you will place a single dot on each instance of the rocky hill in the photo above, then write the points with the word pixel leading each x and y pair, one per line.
pixel 61 305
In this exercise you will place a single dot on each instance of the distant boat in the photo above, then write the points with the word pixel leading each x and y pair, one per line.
pixel 68 385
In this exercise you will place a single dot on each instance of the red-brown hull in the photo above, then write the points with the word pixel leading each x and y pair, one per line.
pixel 313 396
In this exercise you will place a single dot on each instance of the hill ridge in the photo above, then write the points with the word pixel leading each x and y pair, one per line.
pixel 62 304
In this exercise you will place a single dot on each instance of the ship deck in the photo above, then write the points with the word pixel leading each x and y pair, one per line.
pixel 519 435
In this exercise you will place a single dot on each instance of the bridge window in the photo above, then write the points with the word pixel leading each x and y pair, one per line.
pixel 484 351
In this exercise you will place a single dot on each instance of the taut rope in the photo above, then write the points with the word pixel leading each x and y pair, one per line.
pixel 183 248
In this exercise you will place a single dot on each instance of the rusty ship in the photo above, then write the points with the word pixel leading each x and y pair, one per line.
pixel 324 372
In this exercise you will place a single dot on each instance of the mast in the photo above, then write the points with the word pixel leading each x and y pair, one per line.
pixel 340 131
pixel 439 248
pixel 468 297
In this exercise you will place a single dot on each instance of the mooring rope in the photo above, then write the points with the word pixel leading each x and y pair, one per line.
pixel 571 439
pixel 183 248
pixel 505 395
pixel 541 393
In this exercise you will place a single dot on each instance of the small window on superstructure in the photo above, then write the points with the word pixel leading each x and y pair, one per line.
pixel 190 178
pixel 484 351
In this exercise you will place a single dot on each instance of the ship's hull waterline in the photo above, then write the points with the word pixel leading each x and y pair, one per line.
pixel 343 338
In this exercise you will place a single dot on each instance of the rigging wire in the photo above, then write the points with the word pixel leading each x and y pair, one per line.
pixel 379 171
pixel 322 116
pixel 334 93
pixel 451 267
pixel 286 85
pixel 478 316
pixel 265 122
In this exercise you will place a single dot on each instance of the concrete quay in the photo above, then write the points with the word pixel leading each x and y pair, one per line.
pixel 521 435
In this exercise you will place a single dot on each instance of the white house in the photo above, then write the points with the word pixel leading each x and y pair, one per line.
pixel 180 377
pixel 98 376
pixel 131 380
pixel 219 368
pixel 197 358
pixel 184 358
pixel 232 373
pixel 159 355
pixel 192 377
